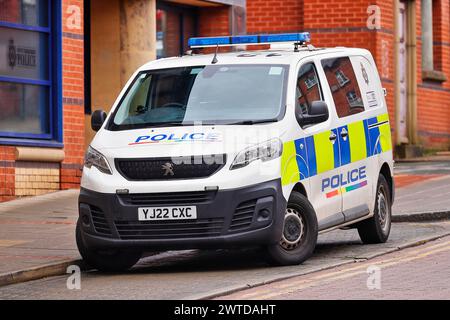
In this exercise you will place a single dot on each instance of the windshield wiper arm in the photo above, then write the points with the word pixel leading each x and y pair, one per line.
pixel 252 122
pixel 163 124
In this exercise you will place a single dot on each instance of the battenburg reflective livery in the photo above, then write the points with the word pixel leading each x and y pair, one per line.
pixel 315 156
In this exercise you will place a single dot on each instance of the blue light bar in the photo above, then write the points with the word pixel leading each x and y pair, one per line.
pixel 245 39
pixel 208 42
pixel 287 37
pixel 248 40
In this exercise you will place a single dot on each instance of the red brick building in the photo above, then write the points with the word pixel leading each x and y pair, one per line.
pixel 60 59
pixel 41 96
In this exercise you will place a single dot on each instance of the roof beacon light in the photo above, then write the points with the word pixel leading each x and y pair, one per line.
pixel 228 41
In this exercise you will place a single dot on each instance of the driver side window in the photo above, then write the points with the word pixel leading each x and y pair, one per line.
pixel 308 89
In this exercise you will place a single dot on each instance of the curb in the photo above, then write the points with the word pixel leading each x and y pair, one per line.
pixel 36 273
pixel 443 158
pixel 422 216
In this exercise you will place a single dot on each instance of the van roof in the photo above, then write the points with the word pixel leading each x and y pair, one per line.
pixel 284 56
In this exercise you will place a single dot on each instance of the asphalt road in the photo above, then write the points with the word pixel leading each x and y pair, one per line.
pixel 207 274
pixel 415 273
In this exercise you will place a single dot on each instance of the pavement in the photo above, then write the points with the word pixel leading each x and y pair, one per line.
pixel 37 234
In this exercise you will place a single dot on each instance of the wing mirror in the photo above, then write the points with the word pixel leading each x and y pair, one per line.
pixel 97 119
pixel 318 113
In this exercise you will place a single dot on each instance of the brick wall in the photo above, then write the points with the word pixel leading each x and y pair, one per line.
pixel 383 52
pixel 214 21
pixel 274 15
pixel 172 34
pixel 36 178
pixel 73 98
pixel 433 97
pixel 7 173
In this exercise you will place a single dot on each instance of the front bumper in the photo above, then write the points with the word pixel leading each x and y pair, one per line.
pixel 247 216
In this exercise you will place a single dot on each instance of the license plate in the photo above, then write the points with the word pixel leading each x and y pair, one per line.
pixel 167 213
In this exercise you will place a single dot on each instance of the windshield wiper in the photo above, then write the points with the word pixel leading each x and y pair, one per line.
pixel 251 122
pixel 164 124
pixel 181 124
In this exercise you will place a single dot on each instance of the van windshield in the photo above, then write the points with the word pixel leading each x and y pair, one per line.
pixel 210 95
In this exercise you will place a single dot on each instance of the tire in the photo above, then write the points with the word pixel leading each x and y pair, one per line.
pixel 107 260
pixel 299 236
pixel 377 229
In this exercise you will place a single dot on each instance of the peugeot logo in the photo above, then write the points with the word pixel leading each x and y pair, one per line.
pixel 12 54
pixel 168 169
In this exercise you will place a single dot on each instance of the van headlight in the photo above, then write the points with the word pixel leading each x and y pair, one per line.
pixel 94 158
pixel 265 151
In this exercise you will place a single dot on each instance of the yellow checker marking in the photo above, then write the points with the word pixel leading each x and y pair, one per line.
pixel 289 169
pixel 357 136
pixel 385 133
pixel 324 152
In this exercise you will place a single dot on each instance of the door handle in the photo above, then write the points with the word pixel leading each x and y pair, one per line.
pixel 344 133
pixel 333 137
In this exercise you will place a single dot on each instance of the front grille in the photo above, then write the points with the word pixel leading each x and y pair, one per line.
pixel 101 225
pixel 168 169
pixel 137 230
pixel 243 216
pixel 181 198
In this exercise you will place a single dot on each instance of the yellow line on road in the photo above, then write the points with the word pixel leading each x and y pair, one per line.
pixel 11 243
pixel 346 273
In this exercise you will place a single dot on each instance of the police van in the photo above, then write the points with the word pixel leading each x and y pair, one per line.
pixel 265 148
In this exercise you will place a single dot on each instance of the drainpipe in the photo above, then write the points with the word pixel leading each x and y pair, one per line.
pixel 412 72
pixel 397 72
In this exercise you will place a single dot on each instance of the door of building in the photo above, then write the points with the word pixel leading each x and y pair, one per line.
pixel 175 24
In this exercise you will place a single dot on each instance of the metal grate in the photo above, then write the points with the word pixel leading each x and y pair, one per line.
pixel 138 230
pixel 100 223
pixel 168 169
pixel 243 216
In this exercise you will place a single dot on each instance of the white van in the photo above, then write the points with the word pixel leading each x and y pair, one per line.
pixel 261 148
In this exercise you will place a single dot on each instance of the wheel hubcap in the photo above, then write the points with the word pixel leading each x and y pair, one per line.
pixel 383 209
pixel 294 230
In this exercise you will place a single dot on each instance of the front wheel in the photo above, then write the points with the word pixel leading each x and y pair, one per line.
pixel 113 260
pixel 300 232
pixel 377 229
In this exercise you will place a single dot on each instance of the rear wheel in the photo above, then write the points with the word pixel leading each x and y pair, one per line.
pixel 300 231
pixel 378 228
pixel 113 260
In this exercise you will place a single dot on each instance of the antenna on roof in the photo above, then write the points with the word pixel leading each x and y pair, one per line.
pixel 214 60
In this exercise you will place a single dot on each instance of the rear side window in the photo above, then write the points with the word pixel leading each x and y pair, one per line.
pixel 344 86
pixel 308 88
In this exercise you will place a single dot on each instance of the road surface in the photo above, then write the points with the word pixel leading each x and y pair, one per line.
pixel 416 273
pixel 207 274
